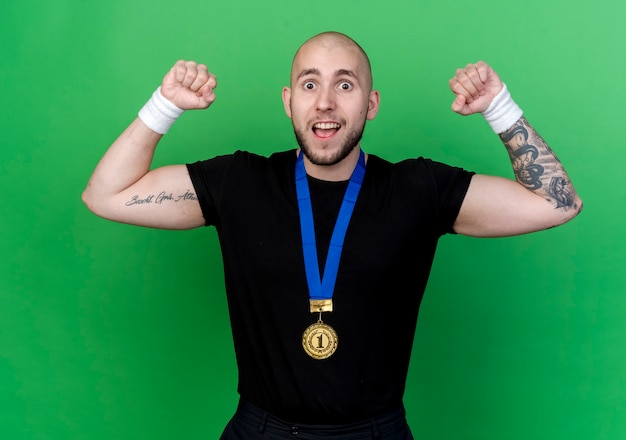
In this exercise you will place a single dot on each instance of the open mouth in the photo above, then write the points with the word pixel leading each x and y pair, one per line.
pixel 326 129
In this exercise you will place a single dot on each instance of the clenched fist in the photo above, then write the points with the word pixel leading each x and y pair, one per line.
pixel 189 85
pixel 475 86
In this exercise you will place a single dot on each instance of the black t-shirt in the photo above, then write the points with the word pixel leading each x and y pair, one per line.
pixel 400 213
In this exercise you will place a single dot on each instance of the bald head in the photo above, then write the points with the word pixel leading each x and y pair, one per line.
pixel 332 41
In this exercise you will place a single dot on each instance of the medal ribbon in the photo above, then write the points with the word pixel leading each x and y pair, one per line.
pixel 323 287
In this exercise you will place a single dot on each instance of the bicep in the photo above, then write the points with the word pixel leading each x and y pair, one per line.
pixel 499 207
pixel 164 198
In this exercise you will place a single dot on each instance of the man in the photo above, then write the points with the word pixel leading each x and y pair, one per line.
pixel 326 249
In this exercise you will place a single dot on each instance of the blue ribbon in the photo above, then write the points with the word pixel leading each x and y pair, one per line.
pixel 323 288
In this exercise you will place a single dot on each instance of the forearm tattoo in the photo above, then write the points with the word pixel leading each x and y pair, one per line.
pixel 536 166
pixel 160 198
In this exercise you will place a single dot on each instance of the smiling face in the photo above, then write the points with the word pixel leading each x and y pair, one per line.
pixel 330 98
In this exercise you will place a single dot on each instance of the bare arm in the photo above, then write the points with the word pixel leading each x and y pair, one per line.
pixel 123 188
pixel 541 197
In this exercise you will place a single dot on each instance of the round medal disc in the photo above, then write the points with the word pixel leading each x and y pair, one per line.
pixel 319 340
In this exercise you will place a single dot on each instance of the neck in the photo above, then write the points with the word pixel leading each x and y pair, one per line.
pixel 333 173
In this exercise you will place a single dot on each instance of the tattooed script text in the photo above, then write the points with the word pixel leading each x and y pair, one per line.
pixel 158 199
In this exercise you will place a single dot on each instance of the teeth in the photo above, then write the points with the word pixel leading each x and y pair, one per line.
pixel 326 125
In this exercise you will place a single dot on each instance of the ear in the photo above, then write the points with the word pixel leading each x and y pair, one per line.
pixel 374 102
pixel 287 100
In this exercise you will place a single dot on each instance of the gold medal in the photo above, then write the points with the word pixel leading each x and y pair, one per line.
pixel 319 340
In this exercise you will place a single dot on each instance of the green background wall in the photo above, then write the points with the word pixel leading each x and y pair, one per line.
pixel 110 331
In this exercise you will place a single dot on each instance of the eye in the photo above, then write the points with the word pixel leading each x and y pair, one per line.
pixel 309 85
pixel 345 85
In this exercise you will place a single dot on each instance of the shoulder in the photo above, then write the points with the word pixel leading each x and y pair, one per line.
pixel 242 160
pixel 418 167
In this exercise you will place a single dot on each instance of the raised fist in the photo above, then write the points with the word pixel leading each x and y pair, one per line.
pixel 475 86
pixel 189 85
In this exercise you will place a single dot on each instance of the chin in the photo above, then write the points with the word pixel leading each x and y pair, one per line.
pixel 329 155
pixel 326 157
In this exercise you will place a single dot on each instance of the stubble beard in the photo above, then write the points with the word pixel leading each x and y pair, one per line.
pixel 352 140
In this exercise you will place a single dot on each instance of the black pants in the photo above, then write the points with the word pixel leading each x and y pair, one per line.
pixel 250 422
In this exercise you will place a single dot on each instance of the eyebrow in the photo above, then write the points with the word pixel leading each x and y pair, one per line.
pixel 311 71
pixel 340 72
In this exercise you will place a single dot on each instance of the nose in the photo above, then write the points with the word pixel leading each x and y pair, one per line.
pixel 325 99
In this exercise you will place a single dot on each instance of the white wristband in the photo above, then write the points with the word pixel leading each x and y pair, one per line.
pixel 159 113
pixel 503 112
